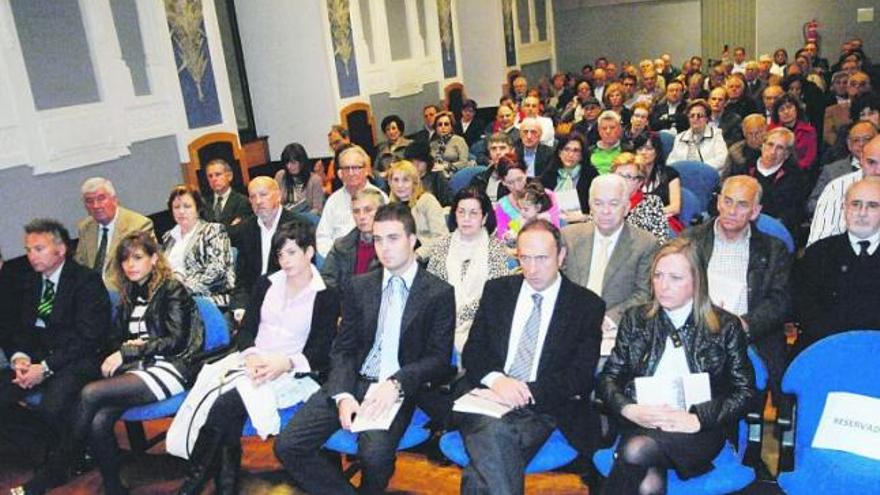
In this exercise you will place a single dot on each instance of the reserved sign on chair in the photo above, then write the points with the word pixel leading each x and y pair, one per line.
pixel 851 423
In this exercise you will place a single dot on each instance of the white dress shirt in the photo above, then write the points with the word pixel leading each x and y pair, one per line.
pixel 266 234
pixel 874 240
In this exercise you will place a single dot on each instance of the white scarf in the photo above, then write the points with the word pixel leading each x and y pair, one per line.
pixel 469 287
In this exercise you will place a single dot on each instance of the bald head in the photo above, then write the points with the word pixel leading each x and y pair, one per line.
pixel 265 198
pixel 862 208
pixel 871 157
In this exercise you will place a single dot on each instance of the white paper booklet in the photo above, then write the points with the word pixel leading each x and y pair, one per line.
pixel 382 422
pixel 477 402
pixel 680 392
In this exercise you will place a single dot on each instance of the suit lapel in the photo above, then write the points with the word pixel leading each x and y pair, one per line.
pixel 621 251
pixel 505 319
pixel 372 306
pixel 558 322
pixel 63 292
pixel 414 302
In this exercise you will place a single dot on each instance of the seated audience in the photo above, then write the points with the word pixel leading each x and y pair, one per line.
pixel 531 149
pixel 354 253
pixel 499 145
pixel 338 139
pixel 153 354
pixel 638 122
pixel 531 107
pixel 838 279
pixel 866 107
pixel 503 124
pixel 429 215
pixel 107 223
pixel 747 271
pixel 660 180
pixel 53 346
pixel 788 113
pixel 290 324
pixel 469 127
pixel 450 151
pixel 575 108
pixel 533 347
pixel 737 101
pixel 768 100
pixel 742 153
pixel 859 135
pixel 509 209
pixel 613 99
pixel 434 182
pixel 604 151
pixel 223 204
pixel 393 348
pixel 609 256
pixel 198 252
pixel 254 240
pixel 783 183
pixel 702 143
pixel 670 113
pixel 336 221
pixel 829 219
pixel 569 177
pixel 426 133
pixel 468 257
pixel 657 438
pixel 837 116
pixel 301 189
pixel 589 124
pixel 722 118
pixel 395 142
pixel 645 210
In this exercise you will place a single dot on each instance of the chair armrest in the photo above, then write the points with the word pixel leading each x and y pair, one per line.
pixel 446 383
pixel 786 427
pixel 755 423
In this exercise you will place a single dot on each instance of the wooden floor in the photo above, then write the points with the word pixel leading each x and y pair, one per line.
pixel 159 473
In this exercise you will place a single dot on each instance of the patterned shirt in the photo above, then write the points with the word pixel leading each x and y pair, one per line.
pixel 728 270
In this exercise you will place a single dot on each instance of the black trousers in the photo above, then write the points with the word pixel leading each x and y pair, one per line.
pixel 35 430
pixel 500 449
pixel 298 447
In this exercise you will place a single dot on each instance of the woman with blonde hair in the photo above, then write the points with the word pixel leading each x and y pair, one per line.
pixel 677 334
pixel 406 187
pixel 645 210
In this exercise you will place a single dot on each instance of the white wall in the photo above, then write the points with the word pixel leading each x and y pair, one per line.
pixel 481 37
pixel 288 72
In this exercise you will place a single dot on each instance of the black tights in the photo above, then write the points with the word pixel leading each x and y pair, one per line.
pixel 640 468
pixel 101 404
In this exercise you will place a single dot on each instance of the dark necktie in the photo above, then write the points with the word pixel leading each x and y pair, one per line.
pixel 863 249
pixel 102 251
pixel 521 367
pixel 218 207
pixel 44 309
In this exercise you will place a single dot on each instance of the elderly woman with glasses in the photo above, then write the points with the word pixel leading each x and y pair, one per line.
pixel 450 151
pixel 645 210
pixel 701 142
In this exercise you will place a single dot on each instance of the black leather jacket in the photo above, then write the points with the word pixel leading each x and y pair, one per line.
pixel 723 355
pixel 174 326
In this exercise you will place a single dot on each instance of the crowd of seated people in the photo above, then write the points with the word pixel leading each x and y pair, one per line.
pixel 351 283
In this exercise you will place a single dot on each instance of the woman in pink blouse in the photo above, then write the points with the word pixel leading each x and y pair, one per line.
pixel 286 336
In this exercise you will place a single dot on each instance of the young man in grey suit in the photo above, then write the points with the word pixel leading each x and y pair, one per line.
pixel 396 334
pixel 533 345
pixel 608 255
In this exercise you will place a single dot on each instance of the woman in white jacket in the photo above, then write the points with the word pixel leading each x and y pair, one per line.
pixel 702 142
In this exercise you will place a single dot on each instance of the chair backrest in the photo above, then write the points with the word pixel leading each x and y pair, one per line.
pixel 667 138
pixel 775 228
pixel 690 207
pixel 358 119
pixel 213 145
pixel 454 98
pixel 216 328
pixel 845 362
pixel 700 178
pixel 463 177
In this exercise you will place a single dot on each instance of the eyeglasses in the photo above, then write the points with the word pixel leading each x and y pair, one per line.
pixel 351 170
pixel 632 177
pixel 444 123
pixel 573 151
pixel 514 182
pixel 697 116
pixel 859 139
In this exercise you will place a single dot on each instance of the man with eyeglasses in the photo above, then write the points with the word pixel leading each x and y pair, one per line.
pixel 746 151
pixel 783 183
pixel 829 219
pixel 530 148
pixel 837 116
pixel 336 219
pixel 859 135
pixel 532 348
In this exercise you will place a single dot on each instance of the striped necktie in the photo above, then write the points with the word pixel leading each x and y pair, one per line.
pixel 521 368
pixel 44 309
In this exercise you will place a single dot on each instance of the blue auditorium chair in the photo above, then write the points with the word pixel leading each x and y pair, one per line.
pixel 729 474
pixel 775 228
pixel 463 177
pixel 699 178
pixel 845 362
pixel 555 453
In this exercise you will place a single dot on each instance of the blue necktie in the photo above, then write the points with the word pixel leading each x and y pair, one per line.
pixel 381 362
pixel 521 368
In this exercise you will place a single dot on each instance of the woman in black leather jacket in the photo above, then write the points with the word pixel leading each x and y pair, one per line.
pixel 680 332
pixel 154 353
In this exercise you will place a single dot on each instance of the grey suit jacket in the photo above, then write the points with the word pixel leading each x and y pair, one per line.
pixel 127 221
pixel 627 281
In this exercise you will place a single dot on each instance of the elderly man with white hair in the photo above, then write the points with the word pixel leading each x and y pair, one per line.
pixel 107 223
pixel 531 148
pixel 531 107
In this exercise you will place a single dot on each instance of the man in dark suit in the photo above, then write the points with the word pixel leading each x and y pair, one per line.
pixel 396 334
pixel 838 279
pixel 427 131
pixel 469 127
pixel 533 346
pixel 536 155
pixel 748 271
pixel 65 319
pixel 223 204
pixel 253 238
pixel 671 112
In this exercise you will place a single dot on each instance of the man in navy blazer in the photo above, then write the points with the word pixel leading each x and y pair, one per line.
pixel 393 343
pixel 533 346
pixel 65 319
